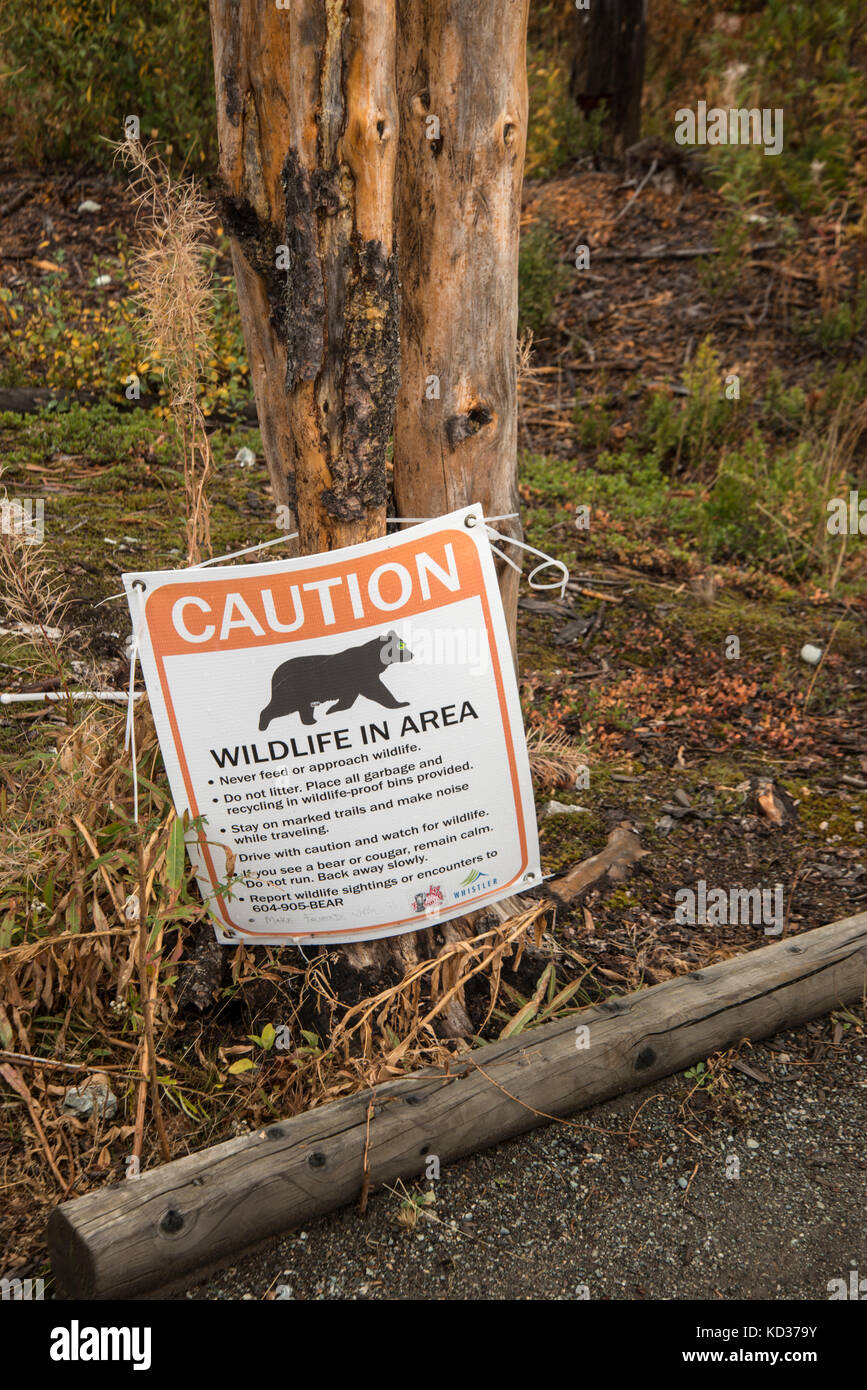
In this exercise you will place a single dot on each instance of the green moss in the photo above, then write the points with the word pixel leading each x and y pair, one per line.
pixel 830 810
pixel 118 503
pixel 567 839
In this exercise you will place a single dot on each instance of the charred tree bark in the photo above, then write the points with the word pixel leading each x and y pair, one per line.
pixel 307 98
pixel 463 125
pixel 307 122
pixel 608 65
pixel 307 119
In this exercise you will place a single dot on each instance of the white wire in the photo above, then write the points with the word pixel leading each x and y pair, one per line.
pixel 414 520
pixel 249 551
pixel 506 559
pixel 129 739
pixel 547 560
pixel 218 560
pixel 118 697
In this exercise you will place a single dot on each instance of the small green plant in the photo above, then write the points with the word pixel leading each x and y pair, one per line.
pixel 687 433
pixel 558 131
pixel 721 274
pixel 699 1076
pixel 266 1038
pixel 412 1206
pixel 836 329
pixel 781 406
pixel 593 422
pixel 540 274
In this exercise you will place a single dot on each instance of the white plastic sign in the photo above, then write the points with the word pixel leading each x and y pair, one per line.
pixel 347 727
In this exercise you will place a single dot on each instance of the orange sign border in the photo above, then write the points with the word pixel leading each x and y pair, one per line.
pixel 162 596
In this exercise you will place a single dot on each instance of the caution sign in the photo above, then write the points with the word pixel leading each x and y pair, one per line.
pixel 345 731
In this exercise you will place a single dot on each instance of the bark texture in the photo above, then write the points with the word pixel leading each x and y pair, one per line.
pixel 308 97
pixel 307 122
pixel 463 125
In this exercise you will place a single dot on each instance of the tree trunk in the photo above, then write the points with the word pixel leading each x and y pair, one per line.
pixel 608 65
pixel 307 119
pixel 308 125
pixel 307 122
pixel 463 129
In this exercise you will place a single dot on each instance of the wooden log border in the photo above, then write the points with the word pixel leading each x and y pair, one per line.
pixel 203 1210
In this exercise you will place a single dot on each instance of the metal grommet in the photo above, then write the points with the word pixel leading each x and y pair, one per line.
pixel 471 520
pixel 529 876
pixel 139 584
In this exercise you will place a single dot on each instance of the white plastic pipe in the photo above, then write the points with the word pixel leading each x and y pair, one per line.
pixel 117 697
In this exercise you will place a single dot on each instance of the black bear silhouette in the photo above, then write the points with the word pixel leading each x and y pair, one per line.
pixel 304 681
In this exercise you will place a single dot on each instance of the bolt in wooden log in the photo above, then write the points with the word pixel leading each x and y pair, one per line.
pixel 205 1209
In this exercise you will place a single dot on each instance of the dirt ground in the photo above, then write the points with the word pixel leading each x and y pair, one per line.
pixel 752 1189
pixel 682 744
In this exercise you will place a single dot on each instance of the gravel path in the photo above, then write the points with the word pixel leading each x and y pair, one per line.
pixel 753 1189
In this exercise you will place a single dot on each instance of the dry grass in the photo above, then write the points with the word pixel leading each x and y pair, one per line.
pixel 177 307
pixel 100 922
pixel 839 448
pixel 554 759
pixel 102 925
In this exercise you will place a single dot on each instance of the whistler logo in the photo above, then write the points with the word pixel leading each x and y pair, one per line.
pixel 474 883
pixel 735 126
pixel 716 907
pixel 77 1343
pixel 431 901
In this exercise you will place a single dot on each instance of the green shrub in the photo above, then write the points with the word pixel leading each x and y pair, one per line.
pixel 688 432
pixel 557 131
pixel 806 57
pixel 76 68
pixel 592 422
pixel 722 274
pixel 782 406
pixel 70 345
pixel 540 275
pixel 770 506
